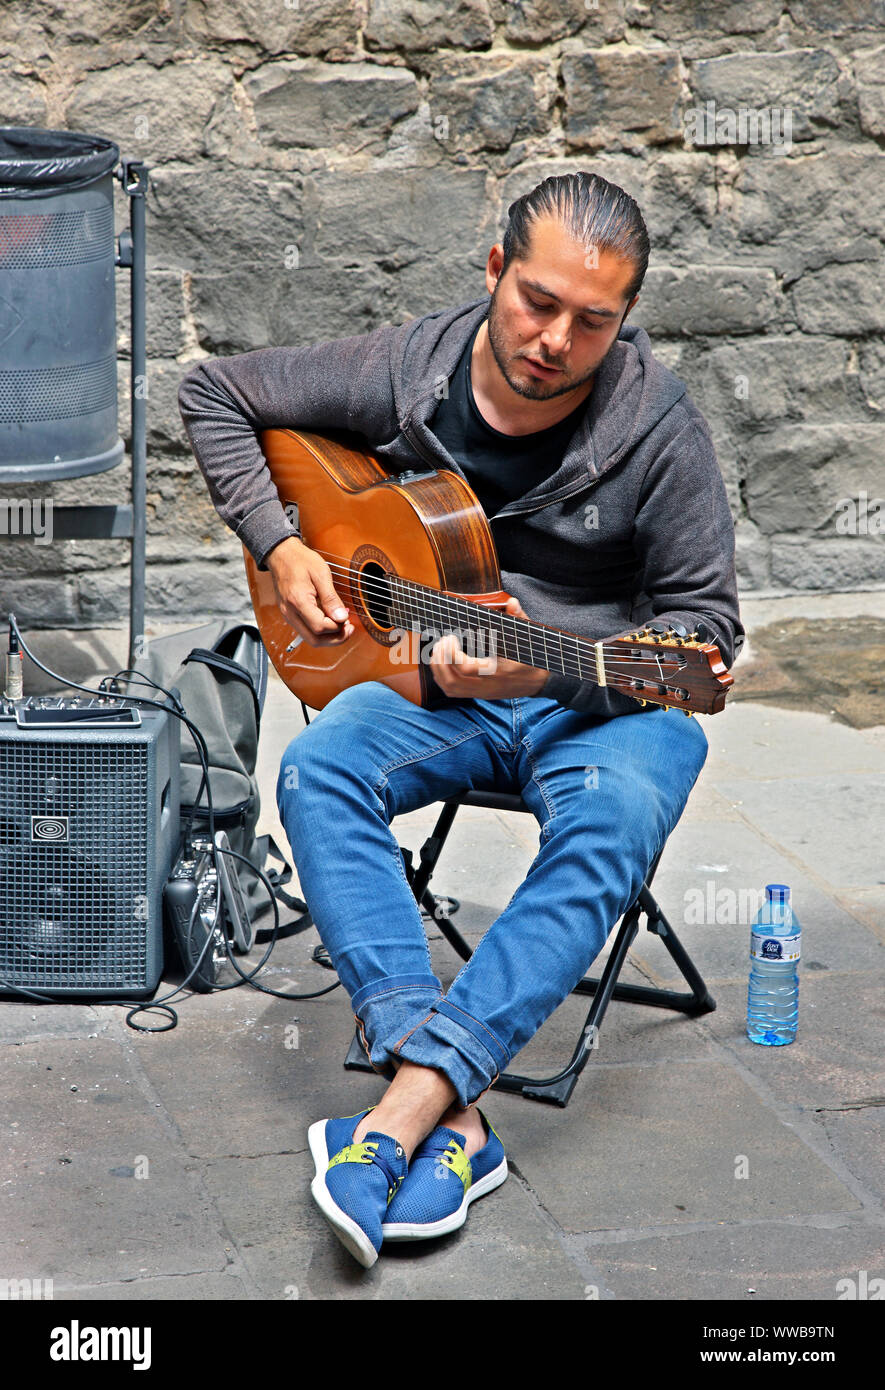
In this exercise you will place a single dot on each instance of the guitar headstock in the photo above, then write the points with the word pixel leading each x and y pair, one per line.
pixel 661 665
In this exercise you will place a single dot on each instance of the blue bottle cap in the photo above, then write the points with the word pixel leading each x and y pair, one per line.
pixel 778 892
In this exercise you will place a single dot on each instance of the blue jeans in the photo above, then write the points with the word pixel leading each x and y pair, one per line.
pixel 606 794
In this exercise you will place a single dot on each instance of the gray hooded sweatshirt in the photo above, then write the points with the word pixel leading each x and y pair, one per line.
pixel 633 525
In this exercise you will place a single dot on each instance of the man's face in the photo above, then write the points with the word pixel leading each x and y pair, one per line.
pixel 563 306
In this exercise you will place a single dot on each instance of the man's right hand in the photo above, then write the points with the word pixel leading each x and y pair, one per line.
pixel 306 595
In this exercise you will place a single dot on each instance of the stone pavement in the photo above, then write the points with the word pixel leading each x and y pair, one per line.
pixel 689 1165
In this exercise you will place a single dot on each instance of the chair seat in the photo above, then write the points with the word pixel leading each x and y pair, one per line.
pixel 493 801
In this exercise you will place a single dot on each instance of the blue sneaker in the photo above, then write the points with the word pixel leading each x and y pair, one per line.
pixel 355 1182
pixel 441 1183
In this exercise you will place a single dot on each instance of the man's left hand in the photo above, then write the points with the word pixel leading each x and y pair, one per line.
pixel 483 678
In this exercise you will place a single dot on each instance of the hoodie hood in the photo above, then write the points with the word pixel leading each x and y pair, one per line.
pixel 631 394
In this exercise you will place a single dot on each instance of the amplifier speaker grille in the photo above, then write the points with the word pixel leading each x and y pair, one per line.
pixel 82 861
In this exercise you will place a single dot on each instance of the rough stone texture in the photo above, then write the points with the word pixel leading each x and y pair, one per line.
pixel 86 22
pixel 323 167
pixel 165 311
pixel 246 218
pixel 416 215
pixel 286 306
pixel 845 299
pixel 312 104
pixel 543 21
pixel 806 82
pixel 869 70
pixel 275 26
pixel 22 99
pixel 799 475
pixel 871 359
pixel 777 379
pixel 489 102
pixel 155 114
pixel 796 208
pixel 855 563
pixel 838 16
pixel 710 19
pixel 434 24
pixel 716 300
pixel 613 97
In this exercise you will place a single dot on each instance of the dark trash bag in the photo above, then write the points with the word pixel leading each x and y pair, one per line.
pixel 35 162
pixel 220 674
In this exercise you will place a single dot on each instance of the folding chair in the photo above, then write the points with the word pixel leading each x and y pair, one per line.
pixel 556 1089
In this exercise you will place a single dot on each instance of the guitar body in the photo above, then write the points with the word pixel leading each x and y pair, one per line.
pixel 367 523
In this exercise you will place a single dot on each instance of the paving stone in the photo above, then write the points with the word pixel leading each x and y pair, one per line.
pixel 541 21
pixel 308 104
pixel 710 884
pixel 95 1187
pixel 202 1287
pixel 868 68
pixel 762 1260
pixel 755 741
pixel 286 1242
pixel 856 1138
pixel 835 1060
pixel 717 300
pixel 397 24
pixel 679 1131
pixel 821 820
pixel 256 1095
pixel 804 81
pixel 32 1022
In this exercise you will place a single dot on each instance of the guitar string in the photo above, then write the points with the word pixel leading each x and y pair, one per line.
pixel 428 599
pixel 430 596
pixel 523 629
pixel 571 665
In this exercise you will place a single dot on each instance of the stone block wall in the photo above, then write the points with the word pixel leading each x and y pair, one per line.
pixel 320 167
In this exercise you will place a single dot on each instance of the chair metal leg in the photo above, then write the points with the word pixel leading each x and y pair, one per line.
pixel 557 1089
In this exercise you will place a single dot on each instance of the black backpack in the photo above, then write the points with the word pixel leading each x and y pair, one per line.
pixel 219 672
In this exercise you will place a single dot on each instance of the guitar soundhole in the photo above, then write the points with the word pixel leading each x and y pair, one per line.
pixel 375 594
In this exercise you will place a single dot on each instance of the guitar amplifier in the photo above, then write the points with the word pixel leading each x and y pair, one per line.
pixel 89 829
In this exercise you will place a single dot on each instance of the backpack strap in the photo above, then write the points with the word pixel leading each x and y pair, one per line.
pixel 231 668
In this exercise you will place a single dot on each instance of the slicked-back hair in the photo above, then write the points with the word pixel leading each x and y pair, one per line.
pixel 596 213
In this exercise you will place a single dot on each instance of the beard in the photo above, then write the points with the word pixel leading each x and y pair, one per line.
pixel 531 387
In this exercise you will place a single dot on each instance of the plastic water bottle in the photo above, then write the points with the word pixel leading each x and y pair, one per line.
pixel 773 996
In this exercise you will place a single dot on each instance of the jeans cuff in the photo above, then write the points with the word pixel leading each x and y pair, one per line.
pixel 389 1007
pixel 467 1052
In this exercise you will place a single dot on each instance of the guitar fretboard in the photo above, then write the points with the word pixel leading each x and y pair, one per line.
pixel 415 606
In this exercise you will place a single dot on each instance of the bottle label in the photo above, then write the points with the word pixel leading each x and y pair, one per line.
pixel 764 947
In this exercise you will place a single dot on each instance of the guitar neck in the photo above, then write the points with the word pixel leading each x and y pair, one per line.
pixel 415 606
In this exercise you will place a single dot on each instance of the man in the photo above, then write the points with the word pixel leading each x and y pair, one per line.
pixel 599 479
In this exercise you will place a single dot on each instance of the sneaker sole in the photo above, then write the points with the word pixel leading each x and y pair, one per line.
pixel 426 1230
pixel 351 1235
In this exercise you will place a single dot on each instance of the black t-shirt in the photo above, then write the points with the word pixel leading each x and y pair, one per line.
pixel 499 467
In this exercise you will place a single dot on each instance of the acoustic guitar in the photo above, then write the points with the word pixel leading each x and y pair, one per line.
pixel 413 558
